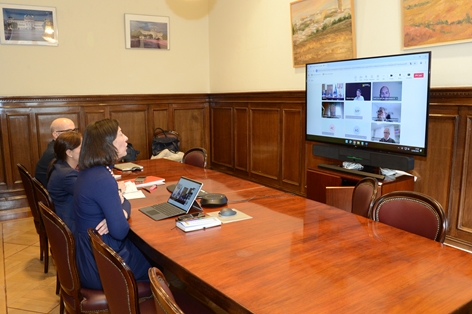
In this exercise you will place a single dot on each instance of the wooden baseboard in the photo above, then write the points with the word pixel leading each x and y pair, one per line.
pixel 16 213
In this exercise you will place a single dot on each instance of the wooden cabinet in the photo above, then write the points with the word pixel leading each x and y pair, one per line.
pixel 319 180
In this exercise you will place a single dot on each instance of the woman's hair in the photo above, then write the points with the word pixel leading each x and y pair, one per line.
pixel 65 141
pixel 97 145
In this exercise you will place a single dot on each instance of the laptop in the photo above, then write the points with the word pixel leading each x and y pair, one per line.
pixel 180 201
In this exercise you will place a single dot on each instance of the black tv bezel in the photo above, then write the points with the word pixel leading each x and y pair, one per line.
pixel 376 147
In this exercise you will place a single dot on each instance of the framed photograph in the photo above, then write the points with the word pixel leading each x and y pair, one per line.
pixel 147 32
pixel 322 30
pixel 28 25
pixel 438 22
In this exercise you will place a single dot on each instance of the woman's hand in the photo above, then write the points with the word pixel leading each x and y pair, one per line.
pixel 102 227
pixel 121 190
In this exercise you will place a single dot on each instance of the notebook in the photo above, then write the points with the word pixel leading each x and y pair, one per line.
pixel 128 166
pixel 180 201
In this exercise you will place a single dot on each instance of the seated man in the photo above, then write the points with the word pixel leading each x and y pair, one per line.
pixel 382 115
pixel 58 126
pixel 386 137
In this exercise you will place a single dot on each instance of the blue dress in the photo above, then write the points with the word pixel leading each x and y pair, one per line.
pixel 61 189
pixel 96 198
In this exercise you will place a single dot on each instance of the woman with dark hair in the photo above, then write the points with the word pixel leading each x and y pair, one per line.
pixel 63 175
pixel 98 196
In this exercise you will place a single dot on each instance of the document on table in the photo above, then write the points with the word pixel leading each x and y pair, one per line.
pixel 132 192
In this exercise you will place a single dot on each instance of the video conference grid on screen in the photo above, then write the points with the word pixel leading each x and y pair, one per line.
pixel 368 102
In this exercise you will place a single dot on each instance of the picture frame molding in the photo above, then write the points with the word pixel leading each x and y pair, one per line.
pixel 50 35
pixel 149 37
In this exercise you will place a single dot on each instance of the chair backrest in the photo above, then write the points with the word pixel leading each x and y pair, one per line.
pixel 63 249
pixel 27 180
pixel 413 212
pixel 160 133
pixel 117 278
pixel 363 196
pixel 42 195
pixel 196 156
pixel 163 297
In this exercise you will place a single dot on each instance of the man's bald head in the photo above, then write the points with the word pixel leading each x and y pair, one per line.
pixel 60 125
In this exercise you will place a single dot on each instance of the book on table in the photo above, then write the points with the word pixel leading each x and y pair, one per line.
pixel 198 223
pixel 128 166
pixel 149 181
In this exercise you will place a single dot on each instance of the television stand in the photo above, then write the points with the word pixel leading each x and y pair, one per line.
pixel 318 179
pixel 352 171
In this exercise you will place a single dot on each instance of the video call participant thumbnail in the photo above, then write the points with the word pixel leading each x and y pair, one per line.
pixel 331 110
pixel 387 91
pixel 358 91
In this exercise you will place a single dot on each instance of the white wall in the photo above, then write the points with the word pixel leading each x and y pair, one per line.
pixel 250 45
pixel 216 46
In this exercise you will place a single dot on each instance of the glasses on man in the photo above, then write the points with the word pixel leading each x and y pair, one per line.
pixel 69 130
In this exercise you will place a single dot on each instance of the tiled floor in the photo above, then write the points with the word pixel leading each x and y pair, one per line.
pixel 25 286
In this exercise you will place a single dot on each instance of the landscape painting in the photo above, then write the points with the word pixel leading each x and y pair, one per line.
pixel 147 32
pixel 436 22
pixel 322 30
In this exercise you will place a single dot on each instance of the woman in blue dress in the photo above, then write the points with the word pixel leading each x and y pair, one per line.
pixel 98 196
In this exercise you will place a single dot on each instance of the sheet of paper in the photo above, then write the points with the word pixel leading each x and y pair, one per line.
pixel 132 192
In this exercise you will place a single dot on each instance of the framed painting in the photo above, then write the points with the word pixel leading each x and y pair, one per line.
pixel 147 32
pixel 28 25
pixel 322 30
pixel 436 22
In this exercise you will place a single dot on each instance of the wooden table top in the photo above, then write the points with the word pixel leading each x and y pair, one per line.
pixel 299 256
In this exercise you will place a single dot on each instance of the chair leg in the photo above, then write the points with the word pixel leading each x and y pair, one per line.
pixel 45 247
pixel 61 305
pixel 41 251
pixel 58 284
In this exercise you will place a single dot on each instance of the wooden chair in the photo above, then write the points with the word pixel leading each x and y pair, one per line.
pixel 357 199
pixel 363 196
pixel 74 298
pixel 196 156
pixel 42 195
pixel 174 301
pixel 27 180
pixel 118 280
pixel 163 298
pixel 413 212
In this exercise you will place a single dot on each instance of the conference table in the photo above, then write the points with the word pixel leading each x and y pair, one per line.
pixel 296 255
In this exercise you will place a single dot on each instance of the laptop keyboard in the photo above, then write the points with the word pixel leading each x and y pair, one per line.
pixel 167 209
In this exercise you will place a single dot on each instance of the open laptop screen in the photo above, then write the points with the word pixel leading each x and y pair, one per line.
pixel 185 193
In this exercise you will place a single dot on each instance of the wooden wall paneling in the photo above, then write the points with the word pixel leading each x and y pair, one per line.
pixel 435 172
pixel 461 221
pixel 222 136
pixel 265 143
pixel 3 152
pixel 133 122
pixel 92 114
pixel 44 118
pixel 292 148
pixel 22 146
pixel 188 120
pixel 241 140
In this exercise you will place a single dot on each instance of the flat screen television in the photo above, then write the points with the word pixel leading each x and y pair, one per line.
pixel 376 104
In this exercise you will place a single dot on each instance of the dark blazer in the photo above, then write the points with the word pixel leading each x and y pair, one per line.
pixel 42 166
pixel 61 188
